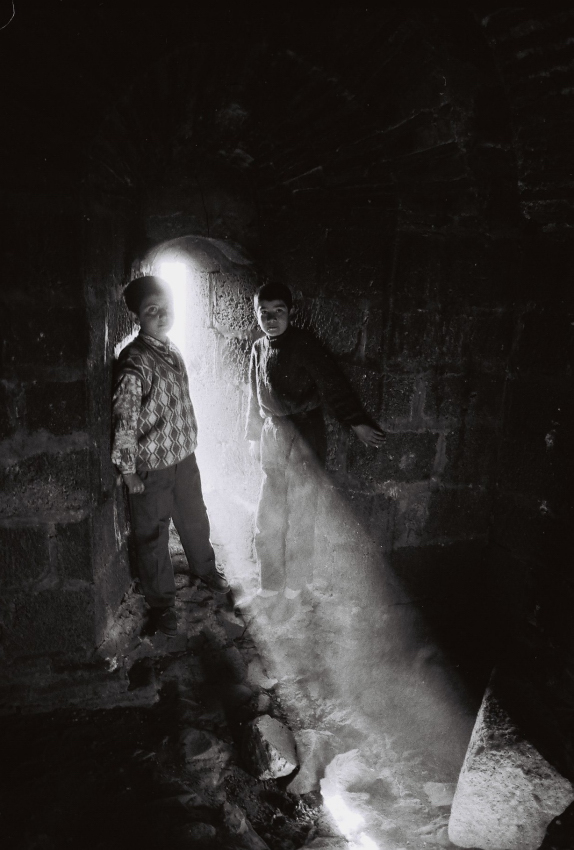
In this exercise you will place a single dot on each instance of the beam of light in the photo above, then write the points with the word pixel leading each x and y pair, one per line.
pixel 176 275
pixel 355 667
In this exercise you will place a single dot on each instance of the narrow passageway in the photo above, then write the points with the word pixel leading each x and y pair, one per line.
pixel 407 172
pixel 381 721
pixel 380 718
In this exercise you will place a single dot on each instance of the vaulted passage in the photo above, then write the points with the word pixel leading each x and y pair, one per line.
pixel 407 174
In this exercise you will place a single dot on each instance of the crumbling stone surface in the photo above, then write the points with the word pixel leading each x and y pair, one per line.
pixel 315 750
pixel 507 793
pixel 270 748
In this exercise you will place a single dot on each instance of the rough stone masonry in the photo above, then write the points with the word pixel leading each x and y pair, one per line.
pixel 408 173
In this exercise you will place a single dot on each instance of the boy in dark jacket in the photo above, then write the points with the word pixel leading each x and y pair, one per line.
pixel 154 440
pixel 291 376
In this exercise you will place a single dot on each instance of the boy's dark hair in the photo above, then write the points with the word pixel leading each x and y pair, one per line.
pixel 141 287
pixel 274 292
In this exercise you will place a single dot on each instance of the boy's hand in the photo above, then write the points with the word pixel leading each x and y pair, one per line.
pixel 370 436
pixel 133 483
pixel 255 450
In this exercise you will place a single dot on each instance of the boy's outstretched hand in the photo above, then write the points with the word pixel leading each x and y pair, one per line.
pixel 369 435
pixel 133 483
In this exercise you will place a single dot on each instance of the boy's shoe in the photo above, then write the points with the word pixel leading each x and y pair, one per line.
pixel 165 620
pixel 216 581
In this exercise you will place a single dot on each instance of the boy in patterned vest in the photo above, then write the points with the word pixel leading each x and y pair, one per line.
pixel 154 440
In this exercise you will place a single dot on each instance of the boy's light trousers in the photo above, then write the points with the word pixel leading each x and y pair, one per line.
pixel 291 459
pixel 174 492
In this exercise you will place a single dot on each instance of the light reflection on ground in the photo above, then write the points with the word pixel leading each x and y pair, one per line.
pixel 380 720
pixel 379 717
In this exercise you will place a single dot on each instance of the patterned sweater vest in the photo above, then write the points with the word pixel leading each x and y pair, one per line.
pixel 166 424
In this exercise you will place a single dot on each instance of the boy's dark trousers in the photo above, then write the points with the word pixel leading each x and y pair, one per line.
pixel 293 450
pixel 174 492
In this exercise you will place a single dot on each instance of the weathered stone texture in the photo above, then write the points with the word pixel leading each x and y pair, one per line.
pixel 56 336
pixel 48 482
pixel 71 552
pixel 52 621
pixel 58 407
pixel 406 456
pixel 24 556
pixel 507 793
pixel 269 747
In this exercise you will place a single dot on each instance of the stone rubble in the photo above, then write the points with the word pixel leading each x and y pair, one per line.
pixel 269 747
pixel 176 714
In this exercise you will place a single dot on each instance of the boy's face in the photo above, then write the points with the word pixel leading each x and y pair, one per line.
pixel 273 317
pixel 156 315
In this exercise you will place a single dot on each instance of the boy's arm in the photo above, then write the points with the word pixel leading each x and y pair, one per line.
pixel 126 405
pixel 338 394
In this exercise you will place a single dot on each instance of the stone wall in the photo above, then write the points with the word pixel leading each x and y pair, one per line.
pixel 45 451
pixel 532 520
pixel 404 173
pixel 394 220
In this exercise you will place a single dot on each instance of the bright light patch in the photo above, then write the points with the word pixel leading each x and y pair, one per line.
pixel 366 843
pixel 349 822
pixel 346 819
pixel 176 275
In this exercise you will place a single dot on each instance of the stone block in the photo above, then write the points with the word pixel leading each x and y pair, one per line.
pixel 366 383
pixel 7 426
pixel 522 524
pixel 411 342
pixel 58 407
pixel 45 482
pixel 72 550
pixel 471 454
pixel 373 522
pixel 257 675
pixel 24 555
pixel 109 559
pixel 507 793
pixel 338 323
pixel 53 336
pixel 269 748
pixel 52 621
pixel 427 338
pixel 458 513
pixel 232 310
pixel 316 750
pixel 397 399
pixel 237 823
pixel 406 456
pixel 451 399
